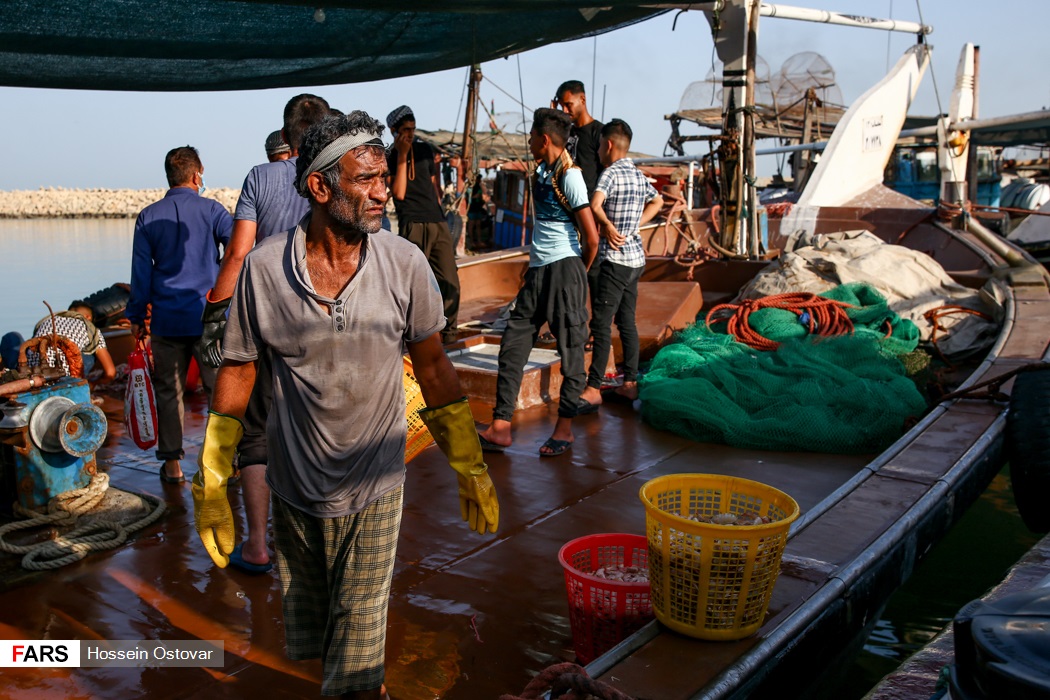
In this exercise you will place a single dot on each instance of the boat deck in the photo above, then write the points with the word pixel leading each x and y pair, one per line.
pixel 475 617
pixel 470 616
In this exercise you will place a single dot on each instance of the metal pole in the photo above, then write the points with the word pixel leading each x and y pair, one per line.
pixel 466 170
pixel 971 155
pixel 750 198
pixel 468 122
pixel 806 14
pixel 689 192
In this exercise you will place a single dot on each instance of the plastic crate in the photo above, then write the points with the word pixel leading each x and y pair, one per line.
pixel 419 438
pixel 602 612
pixel 713 581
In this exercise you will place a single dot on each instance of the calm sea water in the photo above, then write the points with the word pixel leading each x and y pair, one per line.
pixel 58 260
pixel 61 260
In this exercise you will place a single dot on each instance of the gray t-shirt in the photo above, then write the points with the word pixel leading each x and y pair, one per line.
pixel 337 427
pixel 268 197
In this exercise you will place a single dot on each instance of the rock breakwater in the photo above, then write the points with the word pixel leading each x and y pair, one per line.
pixel 61 203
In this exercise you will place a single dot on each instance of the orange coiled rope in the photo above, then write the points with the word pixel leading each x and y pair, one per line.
pixel 41 345
pixel 822 316
pixel 69 349
pixel 568 682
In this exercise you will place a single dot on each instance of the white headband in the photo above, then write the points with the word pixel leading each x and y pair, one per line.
pixel 331 154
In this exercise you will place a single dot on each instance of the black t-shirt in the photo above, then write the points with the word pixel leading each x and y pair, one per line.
pixel 583 147
pixel 420 205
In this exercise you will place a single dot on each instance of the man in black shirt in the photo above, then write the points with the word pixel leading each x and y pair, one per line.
pixel 417 200
pixel 584 140
pixel 585 135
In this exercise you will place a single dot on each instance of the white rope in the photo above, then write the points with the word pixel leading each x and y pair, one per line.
pixel 64 510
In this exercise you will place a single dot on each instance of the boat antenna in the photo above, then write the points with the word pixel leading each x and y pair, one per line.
pixel 521 91
pixel 594 63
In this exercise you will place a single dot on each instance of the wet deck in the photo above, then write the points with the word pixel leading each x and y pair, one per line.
pixel 474 617
pixel 448 581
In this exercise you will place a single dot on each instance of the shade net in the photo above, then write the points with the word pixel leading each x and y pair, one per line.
pixel 839 394
pixel 178 45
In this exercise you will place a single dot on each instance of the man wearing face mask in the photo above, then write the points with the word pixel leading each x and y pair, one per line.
pixel 413 181
pixel 174 262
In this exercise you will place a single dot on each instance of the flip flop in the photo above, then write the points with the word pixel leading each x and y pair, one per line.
pixel 586 408
pixel 489 446
pixel 556 447
pixel 237 561
pixel 171 479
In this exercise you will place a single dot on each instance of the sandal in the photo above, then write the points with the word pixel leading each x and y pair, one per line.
pixel 556 447
pixel 489 446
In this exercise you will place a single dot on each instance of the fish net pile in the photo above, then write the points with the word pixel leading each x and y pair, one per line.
pixel 848 393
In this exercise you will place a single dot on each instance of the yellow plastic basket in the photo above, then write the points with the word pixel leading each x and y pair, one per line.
pixel 713 581
pixel 419 438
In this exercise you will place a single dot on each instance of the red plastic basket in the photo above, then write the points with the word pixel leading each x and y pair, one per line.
pixel 602 612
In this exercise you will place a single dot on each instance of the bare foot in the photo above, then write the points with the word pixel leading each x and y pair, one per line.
pixel 629 390
pixel 498 433
pixel 592 396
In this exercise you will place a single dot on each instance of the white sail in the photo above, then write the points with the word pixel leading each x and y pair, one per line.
pixel 861 144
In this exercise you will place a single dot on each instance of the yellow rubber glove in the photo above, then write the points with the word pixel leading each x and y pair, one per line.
pixel 453 429
pixel 211 509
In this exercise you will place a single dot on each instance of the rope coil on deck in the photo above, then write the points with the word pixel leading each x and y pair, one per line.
pixel 821 316
pixel 64 510
pixel 567 681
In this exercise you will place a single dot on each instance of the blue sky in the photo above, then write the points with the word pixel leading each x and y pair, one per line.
pixel 85 139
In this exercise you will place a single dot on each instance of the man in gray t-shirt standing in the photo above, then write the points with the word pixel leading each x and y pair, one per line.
pixel 333 305
pixel 269 204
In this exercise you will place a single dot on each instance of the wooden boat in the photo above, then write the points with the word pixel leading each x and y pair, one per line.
pixel 474 617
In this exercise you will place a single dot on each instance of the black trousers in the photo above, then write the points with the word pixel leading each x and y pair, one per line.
pixel 252 448
pixel 555 294
pixel 616 299
pixel 435 240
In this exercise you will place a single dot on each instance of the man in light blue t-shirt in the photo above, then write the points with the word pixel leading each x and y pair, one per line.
pixel 555 290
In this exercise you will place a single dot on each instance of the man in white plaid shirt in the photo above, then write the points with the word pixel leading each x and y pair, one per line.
pixel 623 200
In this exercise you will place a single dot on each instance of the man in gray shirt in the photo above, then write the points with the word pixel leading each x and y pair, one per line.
pixel 334 305
pixel 269 204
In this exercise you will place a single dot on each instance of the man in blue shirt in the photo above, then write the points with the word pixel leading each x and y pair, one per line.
pixel 174 262
pixel 555 289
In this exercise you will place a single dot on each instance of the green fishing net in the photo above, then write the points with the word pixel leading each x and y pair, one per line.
pixel 842 394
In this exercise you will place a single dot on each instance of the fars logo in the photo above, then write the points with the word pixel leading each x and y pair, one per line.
pixel 38 653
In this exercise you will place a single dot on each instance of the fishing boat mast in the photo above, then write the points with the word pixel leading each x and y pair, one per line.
pixel 734 27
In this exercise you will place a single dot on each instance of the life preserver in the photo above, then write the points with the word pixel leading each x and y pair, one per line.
pixel 1028 445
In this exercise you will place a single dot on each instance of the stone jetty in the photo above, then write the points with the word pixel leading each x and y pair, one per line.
pixel 61 203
